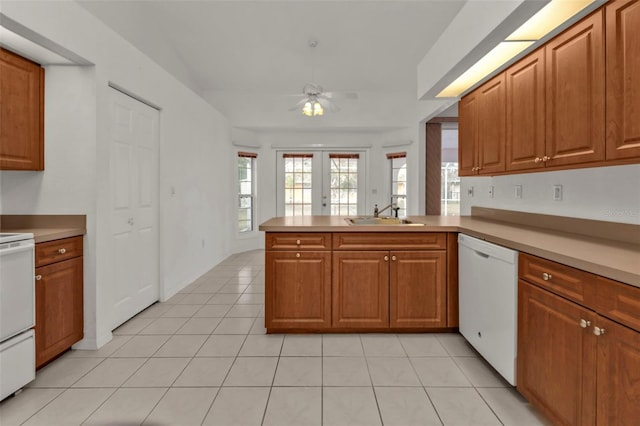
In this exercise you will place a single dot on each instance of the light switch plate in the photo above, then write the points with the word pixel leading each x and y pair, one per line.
pixel 557 192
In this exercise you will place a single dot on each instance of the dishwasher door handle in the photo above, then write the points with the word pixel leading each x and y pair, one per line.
pixel 481 254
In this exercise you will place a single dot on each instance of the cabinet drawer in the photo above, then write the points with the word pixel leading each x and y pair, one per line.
pixel 564 280
pixel 298 241
pixel 55 251
pixel 618 301
pixel 390 241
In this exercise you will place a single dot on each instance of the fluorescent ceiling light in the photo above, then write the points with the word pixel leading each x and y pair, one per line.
pixel 500 54
pixel 546 20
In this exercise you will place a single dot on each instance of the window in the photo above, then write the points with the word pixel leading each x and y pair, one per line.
pixel 246 190
pixel 343 176
pixel 450 203
pixel 398 162
pixel 297 184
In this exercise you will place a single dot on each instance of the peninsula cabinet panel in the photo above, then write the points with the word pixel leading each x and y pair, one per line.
pixel 361 289
pixel 59 312
pixel 623 79
pixel 525 139
pixel 618 374
pixel 556 356
pixel 418 289
pixel 298 290
pixel 492 126
pixel 21 113
pixel 468 135
pixel 575 94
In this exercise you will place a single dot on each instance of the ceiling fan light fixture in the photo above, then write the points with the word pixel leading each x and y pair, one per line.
pixel 312 108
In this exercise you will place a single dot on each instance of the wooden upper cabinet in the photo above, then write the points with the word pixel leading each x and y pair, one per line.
pixel 21 113
pixel 491 117
pixel 467 135
pixel 525 118
pixel 575 91
pixel 623 79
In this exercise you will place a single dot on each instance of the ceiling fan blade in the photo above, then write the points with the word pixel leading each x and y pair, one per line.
pixel 328 104
pixel 341 95
pixel 298 105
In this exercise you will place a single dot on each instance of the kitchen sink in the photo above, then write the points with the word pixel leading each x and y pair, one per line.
pixel 380 221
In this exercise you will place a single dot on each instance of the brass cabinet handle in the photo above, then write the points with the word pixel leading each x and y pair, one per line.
pixel 62 251
pixel 546 276
pixel 38 277
pixel 386 258
pixel 298 242
pixel 297 254
pixel 584 323
pixel 393 258
pixel 598 331
pixel 537 160
pixel 546 158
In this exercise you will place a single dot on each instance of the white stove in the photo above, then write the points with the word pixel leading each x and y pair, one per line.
pixel 17 311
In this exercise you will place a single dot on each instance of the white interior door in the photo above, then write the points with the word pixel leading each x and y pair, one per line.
pixel 320 183
pixel 134 206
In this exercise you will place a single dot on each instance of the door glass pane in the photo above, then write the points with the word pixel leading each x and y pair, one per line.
pixel 246 193
pixel 344 182
pixel 297 185
pixel 450 201
pixel 399 184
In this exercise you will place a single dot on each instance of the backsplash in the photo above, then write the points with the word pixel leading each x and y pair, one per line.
pixel 601 193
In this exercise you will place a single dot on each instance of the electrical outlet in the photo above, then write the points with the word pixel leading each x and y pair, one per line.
pixel 490 192
pixel 557 192
pixel 470 191
pixel 518 191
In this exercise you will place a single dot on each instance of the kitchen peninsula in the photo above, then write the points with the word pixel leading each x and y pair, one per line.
pixel 324 274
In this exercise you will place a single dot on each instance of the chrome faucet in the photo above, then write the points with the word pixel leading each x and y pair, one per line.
pixel 377 212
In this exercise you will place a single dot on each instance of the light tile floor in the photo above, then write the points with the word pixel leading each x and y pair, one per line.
pixel 203 357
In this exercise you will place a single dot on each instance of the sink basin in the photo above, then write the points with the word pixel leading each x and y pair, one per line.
pixel 380 221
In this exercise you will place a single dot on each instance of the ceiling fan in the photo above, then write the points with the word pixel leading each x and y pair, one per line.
pixel 315 100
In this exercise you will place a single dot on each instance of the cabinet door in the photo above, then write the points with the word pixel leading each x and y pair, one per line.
pixel 417 289
pixel 556 356
pixel 467 135
pixel 618 375
pixel 525 113
pixel 623 79
pixel 575 89
pixel 360 289
pixel 492 126
pixel 298 290
pixel 59 308
pixel 21 113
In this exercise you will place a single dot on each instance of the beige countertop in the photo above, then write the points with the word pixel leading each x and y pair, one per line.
pixel 42 235
pixel 617 260
pixel 45 227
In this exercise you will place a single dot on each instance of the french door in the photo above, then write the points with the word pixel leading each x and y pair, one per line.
pixel 320 183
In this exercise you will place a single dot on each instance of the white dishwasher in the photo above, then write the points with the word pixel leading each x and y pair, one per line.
pixel 488 283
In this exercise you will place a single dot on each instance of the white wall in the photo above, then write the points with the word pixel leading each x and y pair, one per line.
pixel 194 155
pixel 599 193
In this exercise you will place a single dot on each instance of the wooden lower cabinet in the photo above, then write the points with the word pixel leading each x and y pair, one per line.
pixel 576 366
pixel 361 289
pixel 618 374
pixel 418 289
pixel 554 353
pixel 298 290
pixel 59 308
